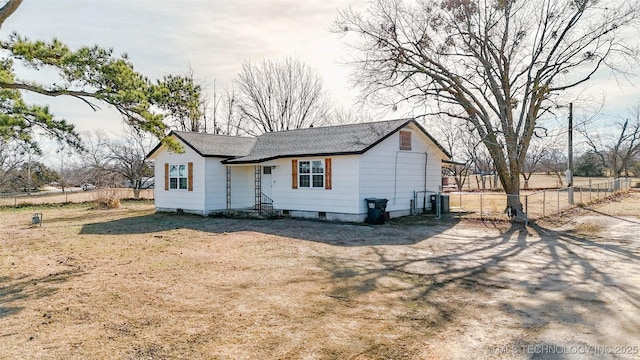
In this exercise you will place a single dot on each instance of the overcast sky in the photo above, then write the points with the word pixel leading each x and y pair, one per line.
pixel 214 37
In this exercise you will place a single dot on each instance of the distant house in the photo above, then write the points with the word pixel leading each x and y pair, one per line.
pixel 320 172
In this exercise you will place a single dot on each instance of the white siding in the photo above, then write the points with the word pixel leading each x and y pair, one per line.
pixel 216 185
pixel 342 198
pixel 390 173
pixel 242 187
pixel 382 172
pixel 170 200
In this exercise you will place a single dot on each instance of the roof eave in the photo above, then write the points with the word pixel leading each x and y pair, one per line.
pixel 451 162
pixel 183 140
pixel 435 142
pixel 188 143
pixel 151 153
pixel 286 156
pixel 381 139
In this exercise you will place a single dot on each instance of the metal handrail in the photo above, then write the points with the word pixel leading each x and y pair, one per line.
pixel 266 204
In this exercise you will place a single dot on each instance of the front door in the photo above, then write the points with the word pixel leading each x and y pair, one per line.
pixel 266 182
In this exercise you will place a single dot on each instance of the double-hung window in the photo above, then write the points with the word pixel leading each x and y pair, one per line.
pixel 178 177
pixel 311 174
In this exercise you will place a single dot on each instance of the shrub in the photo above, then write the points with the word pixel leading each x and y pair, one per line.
pixel 106 199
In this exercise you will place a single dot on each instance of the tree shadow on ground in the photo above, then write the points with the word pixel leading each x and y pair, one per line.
pixel 537 277
pixel 334 233
pixel 432 277
pixel 24 287
pixel 612 216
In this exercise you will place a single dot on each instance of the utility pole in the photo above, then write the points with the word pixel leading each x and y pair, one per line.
pixel 570 160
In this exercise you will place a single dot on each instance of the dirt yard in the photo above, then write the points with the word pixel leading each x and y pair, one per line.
pixel 131 284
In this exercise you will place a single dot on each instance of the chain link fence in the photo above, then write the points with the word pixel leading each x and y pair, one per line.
pixel 70 196
pixel 537 204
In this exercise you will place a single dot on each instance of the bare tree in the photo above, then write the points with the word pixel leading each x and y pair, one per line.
pixel 497 64
pixel 127 157
pixel 538 150
pixel 95 159
pixel 279 95
pixel 224 113
pixel 459 142
pixel 532 163
pixel 67 166
pixel 8 8
pixel 351 115
pixel 482 164
pixel 30 167
pixel 10 161
pixel 617 150
pixel 554 162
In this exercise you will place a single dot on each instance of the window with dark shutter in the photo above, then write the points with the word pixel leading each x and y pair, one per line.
pixel 311 174
pixel 179 177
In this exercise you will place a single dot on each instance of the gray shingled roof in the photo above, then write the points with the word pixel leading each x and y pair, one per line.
pixel 217 145
pixel 330 140
pixel 318 141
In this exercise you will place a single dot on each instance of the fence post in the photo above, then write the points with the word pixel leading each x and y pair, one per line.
pixel 558 192
pixel 415 196
pixel 481 201
pixel 544 201
pixel 438 203
pixel 526 209
pixel 581 195
pixel 590 187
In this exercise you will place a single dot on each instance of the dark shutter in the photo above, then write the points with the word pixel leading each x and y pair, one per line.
pixel 166 176
pixel 190 176
pixel 294 174
pixel 327 173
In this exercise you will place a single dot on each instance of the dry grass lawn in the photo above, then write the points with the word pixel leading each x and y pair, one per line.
pixel 132 284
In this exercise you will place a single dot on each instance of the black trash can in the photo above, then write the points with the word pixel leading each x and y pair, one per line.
pixel 376 210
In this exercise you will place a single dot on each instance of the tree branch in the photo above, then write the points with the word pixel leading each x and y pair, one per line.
pixel 8 9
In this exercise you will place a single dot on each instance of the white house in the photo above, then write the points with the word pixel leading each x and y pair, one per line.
pixel 320 172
